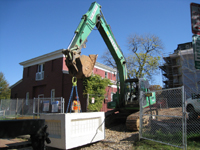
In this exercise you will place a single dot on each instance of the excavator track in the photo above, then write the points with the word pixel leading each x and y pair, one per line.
pixel 133 120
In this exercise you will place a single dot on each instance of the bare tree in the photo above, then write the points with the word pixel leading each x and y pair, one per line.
pixel 108 59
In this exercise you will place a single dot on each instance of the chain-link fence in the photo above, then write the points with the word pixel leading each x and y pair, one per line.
pixel 193 110
pixel 25 109
pixel 165 120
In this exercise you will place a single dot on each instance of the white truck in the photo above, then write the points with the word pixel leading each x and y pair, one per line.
pixel 193 106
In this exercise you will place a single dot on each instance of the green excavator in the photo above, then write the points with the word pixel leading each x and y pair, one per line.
pixel 126 99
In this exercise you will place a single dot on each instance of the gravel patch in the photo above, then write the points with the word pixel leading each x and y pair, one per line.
pixel 116 138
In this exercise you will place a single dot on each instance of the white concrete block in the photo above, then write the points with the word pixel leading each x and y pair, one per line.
pixel 74 129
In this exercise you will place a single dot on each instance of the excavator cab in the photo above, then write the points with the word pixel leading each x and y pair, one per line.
pixel 131 95
pixel 132 92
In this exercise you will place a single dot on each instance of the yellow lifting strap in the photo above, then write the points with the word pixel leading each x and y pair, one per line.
pixel 74 81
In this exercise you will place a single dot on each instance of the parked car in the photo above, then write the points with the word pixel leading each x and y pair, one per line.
pixel 193 106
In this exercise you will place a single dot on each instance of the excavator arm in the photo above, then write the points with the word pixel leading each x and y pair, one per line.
pixel 125 100
pixel 81 65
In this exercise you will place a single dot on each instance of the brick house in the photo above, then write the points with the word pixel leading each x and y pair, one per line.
pixel 48 76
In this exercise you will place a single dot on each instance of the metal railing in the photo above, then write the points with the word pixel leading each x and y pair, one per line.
pixel 23 109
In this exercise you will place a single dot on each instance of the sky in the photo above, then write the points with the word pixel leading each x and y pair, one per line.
pixel 31 28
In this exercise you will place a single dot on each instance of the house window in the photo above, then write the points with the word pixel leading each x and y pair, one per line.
pixel 106 75
pixel 40 67
pixel 27 97
pixel 52 95
pixel 40 72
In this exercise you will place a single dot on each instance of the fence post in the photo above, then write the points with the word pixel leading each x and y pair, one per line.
pixel 185 122
pixel 183 119
pixel 167 103
pixel 141 113
pixel 62 104
pixel 34 105
pixel 16 109
pixel 22 107
pixel 38 108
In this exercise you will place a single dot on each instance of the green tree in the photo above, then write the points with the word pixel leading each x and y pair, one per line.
pixel 95 86
pixel 146 55
pixel 4 88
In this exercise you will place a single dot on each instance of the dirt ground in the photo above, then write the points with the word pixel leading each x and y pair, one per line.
pixel 116 137
pixel 11 143
pixel 5 143
pixel 171 111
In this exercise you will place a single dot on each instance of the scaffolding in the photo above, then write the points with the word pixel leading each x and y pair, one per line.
pixel 179 70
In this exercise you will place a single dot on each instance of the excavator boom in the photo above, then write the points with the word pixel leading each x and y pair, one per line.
pixel 81 65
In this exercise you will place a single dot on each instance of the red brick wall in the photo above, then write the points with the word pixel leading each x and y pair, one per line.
pixel 102 74
pixel 54 78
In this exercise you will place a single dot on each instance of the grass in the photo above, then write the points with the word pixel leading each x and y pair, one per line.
pixel 151 145
pixel 166 137
pixel 3 118
pixel 193 143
